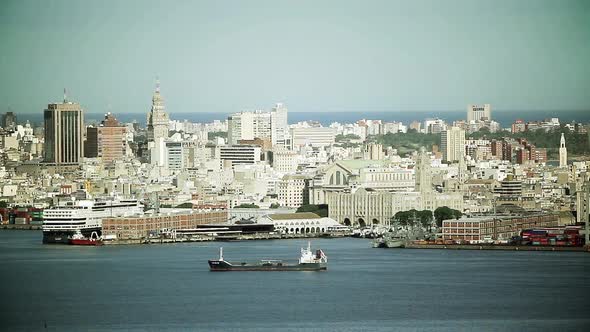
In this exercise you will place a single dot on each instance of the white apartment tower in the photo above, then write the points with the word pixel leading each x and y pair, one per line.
pixel 562 152
pixel 157 119
pixel 479 112
pixel 453 144
pixel 272 125
pixel 279 126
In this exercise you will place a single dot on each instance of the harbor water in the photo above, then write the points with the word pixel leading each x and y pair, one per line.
pixel 169 287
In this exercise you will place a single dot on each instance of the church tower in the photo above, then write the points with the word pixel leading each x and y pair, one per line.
pixel 423 172
pixel 562 152
pixel 157 119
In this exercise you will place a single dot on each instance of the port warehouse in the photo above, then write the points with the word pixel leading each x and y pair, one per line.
pixel 497 228
pixel 187 222
pixel 140 226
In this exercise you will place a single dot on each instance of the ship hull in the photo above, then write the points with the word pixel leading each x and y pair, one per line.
pixel 221 266
pixel 57 237
pixel 63 237
pixel 85 242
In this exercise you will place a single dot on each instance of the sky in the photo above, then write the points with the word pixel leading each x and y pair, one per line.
pixel 314 56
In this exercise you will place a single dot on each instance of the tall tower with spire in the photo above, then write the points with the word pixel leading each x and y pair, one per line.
pixel 157 119
pixel 423 172
pixel 562 152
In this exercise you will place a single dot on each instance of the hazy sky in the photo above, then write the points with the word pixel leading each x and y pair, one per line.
pixel 225 56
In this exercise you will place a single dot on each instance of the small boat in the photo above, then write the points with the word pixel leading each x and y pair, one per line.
pixel 309 261
pixel 80 240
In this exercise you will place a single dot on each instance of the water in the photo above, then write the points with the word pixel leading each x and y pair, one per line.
pixel 505 118
pixel 169 287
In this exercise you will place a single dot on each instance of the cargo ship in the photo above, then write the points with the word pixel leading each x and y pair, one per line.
pixel 309 261
pixel 61 222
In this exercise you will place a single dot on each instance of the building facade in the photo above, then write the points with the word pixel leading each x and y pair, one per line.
pixel 479 112
pixel 240 154
pixel 293 191
pixel 562 152
pixel 453 144
pixel 157 119
pixel 137 227
pixel 108 141
pixel 314 136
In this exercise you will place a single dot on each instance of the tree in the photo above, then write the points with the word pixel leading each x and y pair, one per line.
pixel 275 205
pixel 3 204
pixel 445 213
pixel 247 206
pixel 321 209
pixel 425 217
pixel 187 205
pixel 213 134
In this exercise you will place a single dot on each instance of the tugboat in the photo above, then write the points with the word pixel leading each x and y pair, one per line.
pixel 79 240
pixel 309 261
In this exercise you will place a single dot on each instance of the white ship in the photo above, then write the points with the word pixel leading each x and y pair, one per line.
pixel 84 216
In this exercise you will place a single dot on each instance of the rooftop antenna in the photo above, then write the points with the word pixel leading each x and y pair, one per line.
pixel 157 84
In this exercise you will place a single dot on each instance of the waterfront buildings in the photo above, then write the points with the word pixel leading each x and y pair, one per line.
pixel 142 225
pixel 453 144
pixel 64 133
pixel 495 227
pixel 302 223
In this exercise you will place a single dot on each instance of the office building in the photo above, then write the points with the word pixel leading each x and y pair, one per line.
pixel 64 133
pixel 479 112
pixel 240 154
pixel 107 141
pixel 313 136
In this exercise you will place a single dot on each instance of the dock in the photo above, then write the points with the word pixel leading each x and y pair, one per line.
pixel 495 247
pixel 206 238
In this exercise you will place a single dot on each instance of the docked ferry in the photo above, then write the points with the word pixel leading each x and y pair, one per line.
pixel 61 222
pixel 308 261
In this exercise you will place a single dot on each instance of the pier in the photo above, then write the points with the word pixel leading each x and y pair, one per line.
pixel 494 247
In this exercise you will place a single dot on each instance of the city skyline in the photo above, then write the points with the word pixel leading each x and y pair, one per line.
pixel 526 55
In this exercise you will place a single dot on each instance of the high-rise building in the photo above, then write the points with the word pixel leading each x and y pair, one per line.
pixel 248 126
pixel 106 141
pixel 453 144
pixel 479 112
pixel 562 152
pixel 8 121
pixel 157 119
pixel 64 133
pixel 279 126
pixel 259 124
